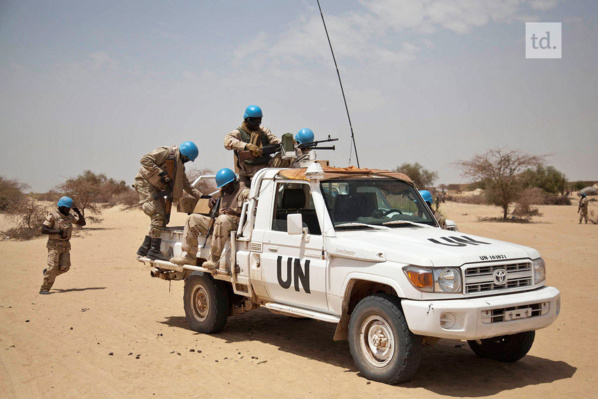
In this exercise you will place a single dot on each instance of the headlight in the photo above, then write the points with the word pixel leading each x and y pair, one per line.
pixel 539 270
pixel 429 279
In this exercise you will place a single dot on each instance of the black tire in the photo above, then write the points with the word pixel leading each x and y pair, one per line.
pixel 508 348
pixel 206 303
pixel 382 346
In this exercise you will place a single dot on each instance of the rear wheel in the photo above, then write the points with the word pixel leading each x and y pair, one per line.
pixel 508 348
pixel 382 346
pixel 206 303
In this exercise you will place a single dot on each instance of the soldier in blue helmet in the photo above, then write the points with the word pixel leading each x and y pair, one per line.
pixel 59 226
pixel 427 196
pixel 153 179
pixel 252 137
pixel 233 194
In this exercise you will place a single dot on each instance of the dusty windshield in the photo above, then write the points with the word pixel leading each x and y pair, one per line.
pixel 355 203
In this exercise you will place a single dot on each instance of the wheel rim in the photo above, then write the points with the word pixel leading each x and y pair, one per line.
pixel 377 341
pixel 200 303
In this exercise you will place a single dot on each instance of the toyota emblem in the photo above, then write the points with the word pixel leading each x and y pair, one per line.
pixel 500 277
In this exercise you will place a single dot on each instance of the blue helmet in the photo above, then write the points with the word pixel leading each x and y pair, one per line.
pixel 65 201
pixel 225 176
pixel 189 149
pixel 427 196
pixel 304 136
pixel 253 111
pixel 583 195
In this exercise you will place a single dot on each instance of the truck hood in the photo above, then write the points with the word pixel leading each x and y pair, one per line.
pixel 423 246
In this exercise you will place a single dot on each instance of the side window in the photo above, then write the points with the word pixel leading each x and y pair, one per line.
pixel 294 198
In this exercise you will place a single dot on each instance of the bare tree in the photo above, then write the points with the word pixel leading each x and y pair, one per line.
pixel 421 176
pixel 500 169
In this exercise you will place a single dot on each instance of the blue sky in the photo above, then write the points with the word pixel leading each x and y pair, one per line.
pixel 95 85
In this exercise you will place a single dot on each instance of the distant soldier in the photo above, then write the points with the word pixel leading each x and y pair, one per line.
pixel 232 196
pixel 582 209
pixel 154 182
pixel 250 137
pixel 59 227
pixel 427 196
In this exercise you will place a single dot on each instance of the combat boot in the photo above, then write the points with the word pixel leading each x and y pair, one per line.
pixel 154 251
pixel 144 248
pixel 187 259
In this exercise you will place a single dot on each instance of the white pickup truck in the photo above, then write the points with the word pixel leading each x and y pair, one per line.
pixel 359 248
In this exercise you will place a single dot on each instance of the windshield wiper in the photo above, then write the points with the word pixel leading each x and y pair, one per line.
pixel 355 224
pixel 404 223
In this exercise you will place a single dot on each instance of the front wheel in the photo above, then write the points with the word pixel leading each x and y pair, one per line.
pixel 206 303
pixel 382 346
pixel 508 348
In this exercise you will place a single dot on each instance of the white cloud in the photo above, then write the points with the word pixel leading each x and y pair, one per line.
pixel 543 5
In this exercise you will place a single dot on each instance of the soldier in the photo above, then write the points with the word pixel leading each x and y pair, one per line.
pixel 427 196
pixel 233 194
pixel 59 226
pixel 250 136
pixel 582 209
pixel 153 181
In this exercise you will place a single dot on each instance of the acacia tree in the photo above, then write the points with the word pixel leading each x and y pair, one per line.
pixel 500 170
pixel 421 176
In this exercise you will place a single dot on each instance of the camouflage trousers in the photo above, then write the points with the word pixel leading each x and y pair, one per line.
pixel 152 207
pixel 59 262
pixel 583 215
pixel 199 224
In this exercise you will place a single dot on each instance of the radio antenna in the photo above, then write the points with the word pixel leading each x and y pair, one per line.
pixel 341 83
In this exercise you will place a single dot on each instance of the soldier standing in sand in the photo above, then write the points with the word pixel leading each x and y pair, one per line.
pixel 582 209
pixel 59 227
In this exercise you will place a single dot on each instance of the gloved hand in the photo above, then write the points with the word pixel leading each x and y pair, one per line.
pixel 213 201
pixel 76 210
pixel 164 178
pixel 255 150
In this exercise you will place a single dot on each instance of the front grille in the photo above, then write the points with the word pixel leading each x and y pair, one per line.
pixel 515 312
pixel 480 278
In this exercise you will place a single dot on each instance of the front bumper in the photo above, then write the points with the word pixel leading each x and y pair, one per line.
pixel 487 317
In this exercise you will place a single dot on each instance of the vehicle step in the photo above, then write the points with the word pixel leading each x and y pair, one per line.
pixel 277 307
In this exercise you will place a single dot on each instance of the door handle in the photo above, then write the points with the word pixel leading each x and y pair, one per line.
pixel 273 248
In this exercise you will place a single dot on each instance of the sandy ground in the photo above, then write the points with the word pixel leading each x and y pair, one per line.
pixel 109 330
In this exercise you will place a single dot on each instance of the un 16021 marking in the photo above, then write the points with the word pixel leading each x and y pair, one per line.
pixel 493 257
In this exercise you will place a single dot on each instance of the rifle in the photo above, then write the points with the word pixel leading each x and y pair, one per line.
pixel 266 151
pixel 314 144
pixel 213 215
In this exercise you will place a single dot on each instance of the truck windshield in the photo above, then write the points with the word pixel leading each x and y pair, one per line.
pixel 374 201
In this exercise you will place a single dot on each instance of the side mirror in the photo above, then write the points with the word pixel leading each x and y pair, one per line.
pixel 295 224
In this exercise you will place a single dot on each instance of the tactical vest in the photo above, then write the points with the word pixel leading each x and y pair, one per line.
pixel 246 138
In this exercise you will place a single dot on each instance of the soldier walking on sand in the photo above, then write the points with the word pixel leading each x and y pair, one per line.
pixel 233 194
pixel 59 227
pixel 252 137
pixel 153 181
pixel 582 209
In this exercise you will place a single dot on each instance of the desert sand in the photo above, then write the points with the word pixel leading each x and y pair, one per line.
pixel 110 330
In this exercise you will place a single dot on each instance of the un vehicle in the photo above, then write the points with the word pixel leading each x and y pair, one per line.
pixel 359 248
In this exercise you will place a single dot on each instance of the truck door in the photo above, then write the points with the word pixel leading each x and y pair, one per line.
pixel 293 266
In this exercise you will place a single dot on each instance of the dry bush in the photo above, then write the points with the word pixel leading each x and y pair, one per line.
pixel 50 196
pixel 11 194
pixel 128 199
pixel 555 199
pixel 593 218
pixel 28 217
pixel 467 199
pixel 527 198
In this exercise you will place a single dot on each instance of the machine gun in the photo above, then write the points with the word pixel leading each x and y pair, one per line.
pixel 266 152
pixel 213 216
pixel 314 144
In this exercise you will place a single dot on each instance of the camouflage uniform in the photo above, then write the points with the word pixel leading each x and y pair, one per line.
pixel 583 209
pixel 441 220
pixel 148 184
pixel 59 249
pixel 223 225
pixel 234 141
